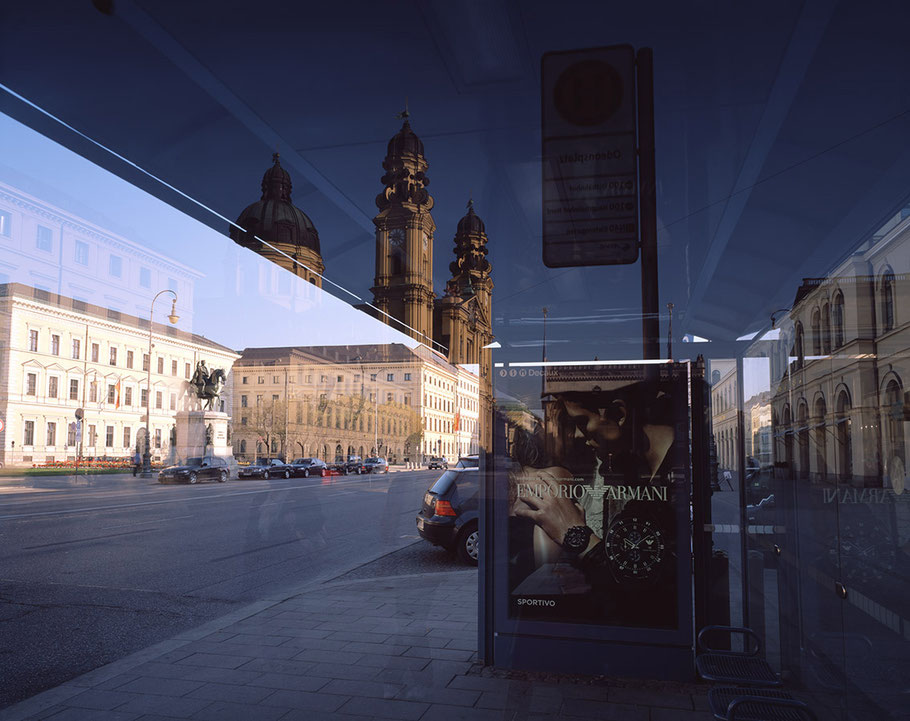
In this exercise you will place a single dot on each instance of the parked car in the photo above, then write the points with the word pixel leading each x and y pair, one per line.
pixel 266 468
pixel 307 467
pixel 209 468
pixel 353 464
pixel 437 462
pixel 375 465
pixel 448 517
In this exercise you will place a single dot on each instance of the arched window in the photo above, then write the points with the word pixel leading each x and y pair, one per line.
pixel 826 329
pixel 338 450
pixel 844 434
pixel 802 437
pixel 798 346
pixel 838 319
pixel 242 448
pixel 821 439
pixel 887 296
pixel 816 332
pixel 894 427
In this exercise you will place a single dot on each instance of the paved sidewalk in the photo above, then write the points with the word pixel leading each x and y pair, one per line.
pixel 399 647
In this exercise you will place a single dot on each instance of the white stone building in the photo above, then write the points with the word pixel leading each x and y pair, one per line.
pixel 58 354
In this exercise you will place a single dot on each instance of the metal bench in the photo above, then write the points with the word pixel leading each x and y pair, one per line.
pixel 732 703
pixel 744 668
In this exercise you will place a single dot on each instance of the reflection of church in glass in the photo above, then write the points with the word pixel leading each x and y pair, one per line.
pixel 459 322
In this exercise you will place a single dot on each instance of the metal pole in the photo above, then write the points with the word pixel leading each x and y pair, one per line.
pixel 650 296
pixel 147 456
pixel 670 332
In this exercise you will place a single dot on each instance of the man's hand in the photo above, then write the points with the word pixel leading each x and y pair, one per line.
pixel 553 512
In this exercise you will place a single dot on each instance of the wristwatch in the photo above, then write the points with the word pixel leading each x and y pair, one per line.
pixel 576 539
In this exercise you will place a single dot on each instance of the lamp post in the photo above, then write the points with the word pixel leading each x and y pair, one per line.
pixel 173 318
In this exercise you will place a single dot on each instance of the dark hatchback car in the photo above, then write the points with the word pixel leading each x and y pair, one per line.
pixel 375 465
pixel 307 467
pixel 448 517
pixel 266 468
pixel 210 468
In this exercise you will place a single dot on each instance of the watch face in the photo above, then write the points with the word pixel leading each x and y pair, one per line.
pixel 635 547
pixel 396 237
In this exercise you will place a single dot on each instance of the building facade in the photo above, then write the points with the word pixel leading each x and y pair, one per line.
pixel 366 400
pixel 59 354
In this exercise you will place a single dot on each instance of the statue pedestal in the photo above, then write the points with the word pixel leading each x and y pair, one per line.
pixel 203 433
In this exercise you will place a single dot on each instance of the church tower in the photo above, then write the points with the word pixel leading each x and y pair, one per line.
pixel 464 316
pixel 404 238
pixel 287 229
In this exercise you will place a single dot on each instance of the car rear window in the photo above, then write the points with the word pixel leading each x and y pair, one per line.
pixel 444 483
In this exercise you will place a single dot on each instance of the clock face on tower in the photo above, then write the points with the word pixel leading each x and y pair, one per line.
pixel 396 238
pixel 635 547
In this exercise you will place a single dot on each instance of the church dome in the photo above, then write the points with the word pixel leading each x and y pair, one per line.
pixel 274 218
pixel 404 142
pixel 470 223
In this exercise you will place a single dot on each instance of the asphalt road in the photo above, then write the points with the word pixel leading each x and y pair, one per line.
pixel 92 570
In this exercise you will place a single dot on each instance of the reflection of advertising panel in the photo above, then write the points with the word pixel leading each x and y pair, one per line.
pixel 598 498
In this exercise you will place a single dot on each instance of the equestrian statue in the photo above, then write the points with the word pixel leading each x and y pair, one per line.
pixel 208 385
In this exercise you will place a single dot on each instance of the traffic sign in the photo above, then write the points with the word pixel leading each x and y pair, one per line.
pixel 79 414
pixel 1 425
pixel 590 165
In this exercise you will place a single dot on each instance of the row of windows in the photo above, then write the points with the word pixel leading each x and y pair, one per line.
pixel 115 396
pixel 95 349
pixel 44 241
pixel 390 377
pixel 91 438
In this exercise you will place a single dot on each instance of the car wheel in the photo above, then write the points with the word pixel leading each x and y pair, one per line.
pixel 287 474
pixel 468 546
pixel 222 477
pixel 306 472
pixel 193 478
pixel 266 475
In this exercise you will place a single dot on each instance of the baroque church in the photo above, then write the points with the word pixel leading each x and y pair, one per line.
pixel 458 323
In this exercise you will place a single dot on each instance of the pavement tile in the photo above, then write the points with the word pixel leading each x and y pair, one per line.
pixel 323 643
pixel 289 682
pixel 409 640
pixel 305 700
pixel 386 708
pixel 398 662
pixel 343 671
pixel 160 686
pixel 80 714
pixel 318 655
pixel 194 673
pixel 364 636
pixel 311 715
pixel 277 665
pixel 115 682
pixel 218 636
pixel 649 697
pixel 444 667
pixel 406 676
pixel 444 654
pixel 100 700
pixel 230 692
pixel 604 710
pixel 485 683
pixel 164 705
pixel 242 649
pixel 215 660
pixel 369 689
pixel 384 649
pixel 462 644
pixel 585 691
pixel 429 694
pixel 248 638
pixel 298 633
pixel 230 711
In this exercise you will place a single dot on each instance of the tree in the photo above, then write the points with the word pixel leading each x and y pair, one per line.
pixel 267 422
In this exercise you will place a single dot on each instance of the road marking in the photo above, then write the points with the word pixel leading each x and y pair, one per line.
pixel 26 489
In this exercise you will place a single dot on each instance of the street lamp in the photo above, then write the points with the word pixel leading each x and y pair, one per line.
pixel 173 318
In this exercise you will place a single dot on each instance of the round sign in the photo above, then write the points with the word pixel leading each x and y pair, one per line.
pixel 1 424
pixel 588 92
